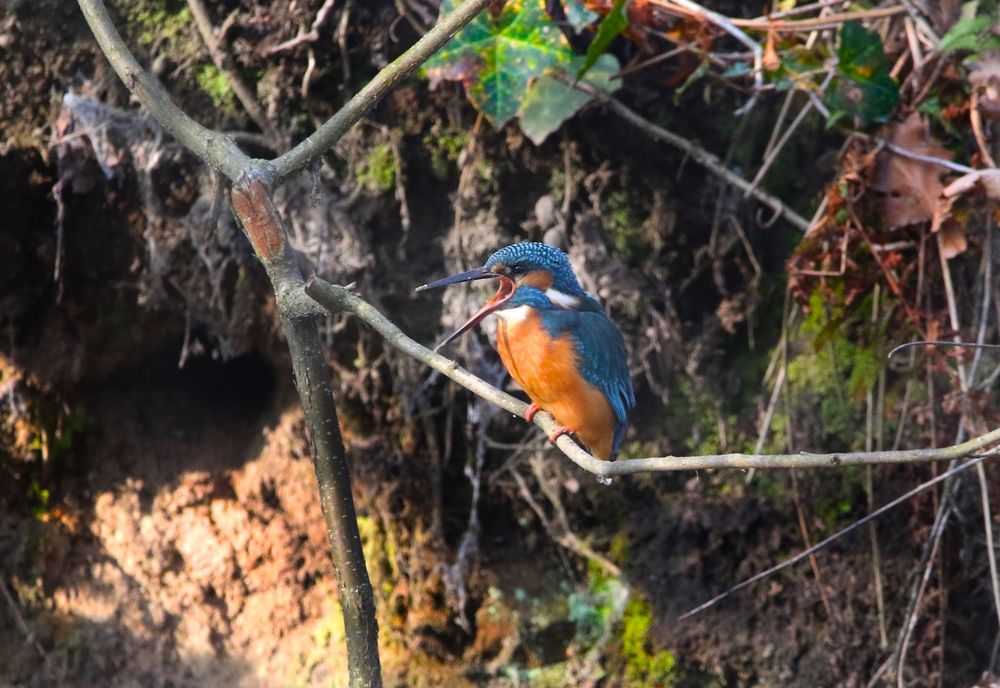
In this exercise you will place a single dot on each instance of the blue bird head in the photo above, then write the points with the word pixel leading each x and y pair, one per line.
pixel 535 264
pixel 530 270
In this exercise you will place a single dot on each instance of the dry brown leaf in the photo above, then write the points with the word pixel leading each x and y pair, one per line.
pixel 913 188
pixel 952 239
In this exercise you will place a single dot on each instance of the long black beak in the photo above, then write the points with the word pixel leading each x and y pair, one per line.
pixel 474 274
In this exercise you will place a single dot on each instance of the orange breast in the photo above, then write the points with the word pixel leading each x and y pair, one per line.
pixel 546 368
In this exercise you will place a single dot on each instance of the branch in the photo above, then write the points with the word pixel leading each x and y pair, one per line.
pixel 216 149
pixel 727 25
pixel 303 36
pixel 334 128
pixel 225 64
pixel 335 299
pixel 708 160
pixel 840 533
pixel 253 204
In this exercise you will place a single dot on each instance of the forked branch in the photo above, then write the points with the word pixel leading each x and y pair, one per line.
pixel 252 196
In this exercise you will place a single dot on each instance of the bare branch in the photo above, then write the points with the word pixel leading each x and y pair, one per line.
pixel 304 36
pixel 727 25
pixel 708 160
pixel 216 149
pixel 330 132
pixel 335 299
pixel 224 63
pixel 820 545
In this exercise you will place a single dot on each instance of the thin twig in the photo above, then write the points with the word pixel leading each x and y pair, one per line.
pixel 335 299
pixel 303 36
pixel 820 545
pixel 29 636
pixel 829 21
pixel 216 149
pixel 934 541
pixel 778 147
pixel 991 553
pixel 727 25
pixel 302 155
pixel 703 157
pixel 224 63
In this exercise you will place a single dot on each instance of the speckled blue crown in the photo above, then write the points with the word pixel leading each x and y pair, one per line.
pixel 534 255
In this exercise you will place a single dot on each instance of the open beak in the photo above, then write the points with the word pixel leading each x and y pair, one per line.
pixel 504 294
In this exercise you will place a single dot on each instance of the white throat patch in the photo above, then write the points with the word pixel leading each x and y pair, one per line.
pixel 514 315
pixel 562 300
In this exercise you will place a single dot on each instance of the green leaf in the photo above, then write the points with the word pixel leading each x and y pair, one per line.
pixel 497 57
pixel 800 68
pixel 614 23
pixel 550 101
pixel 965 34
pixel 863 88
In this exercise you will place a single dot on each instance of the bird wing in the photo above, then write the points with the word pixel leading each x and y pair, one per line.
pixel 603 359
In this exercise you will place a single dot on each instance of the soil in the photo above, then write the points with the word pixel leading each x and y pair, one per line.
pixel 159 521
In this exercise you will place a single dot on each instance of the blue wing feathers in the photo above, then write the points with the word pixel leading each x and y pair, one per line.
pixel 603 359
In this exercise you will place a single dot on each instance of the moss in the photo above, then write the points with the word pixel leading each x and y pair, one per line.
pixel 643 669
pixel 328 637
pixel 625 226
pixel 445 147
pixel 618 550
pixel 377 170
pixel 830 377
pixel 595 609
pixel 212 81
pixel 158 19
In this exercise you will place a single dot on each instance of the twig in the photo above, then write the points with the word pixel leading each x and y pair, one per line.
pixel 777 148
pixel 29 636
pixel 873 438
pixel 807 541
pixel 216 149
pixel 703 157
pixel 899 150
pixel 991 553
pixel 303 36
pixel 920 21
pixel 911 617
pixel 820 545
pixel 984 317
pixel 224 63
pixel 923 342
pixel 345 58
pixel 976 120
pixel 335 299
pixel 727 25
pixel 334 128
pixel 829 21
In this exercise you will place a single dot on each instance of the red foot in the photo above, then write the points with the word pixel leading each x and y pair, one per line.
pixel 532 410
pixel 562 430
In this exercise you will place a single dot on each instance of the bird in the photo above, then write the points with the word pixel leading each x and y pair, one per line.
pixel 557 343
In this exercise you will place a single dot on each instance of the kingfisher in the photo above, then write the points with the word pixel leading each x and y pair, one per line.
pixel 557 343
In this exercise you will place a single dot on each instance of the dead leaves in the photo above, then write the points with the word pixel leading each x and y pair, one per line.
pixel 912 187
